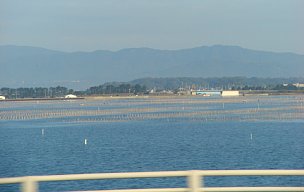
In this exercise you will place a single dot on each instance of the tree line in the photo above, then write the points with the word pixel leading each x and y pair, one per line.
pixel 114 89
pixel 36 92
pixel 135 89
pixel 239 83
pixel 59 91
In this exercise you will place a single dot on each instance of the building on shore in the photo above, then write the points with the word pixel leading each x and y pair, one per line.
pixel 230 93
pixel 215 93
pixel 206 92
pixel 299 85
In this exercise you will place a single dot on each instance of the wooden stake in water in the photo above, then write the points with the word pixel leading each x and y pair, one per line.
pixel 42 132
pixel 85 141
pixel 250 136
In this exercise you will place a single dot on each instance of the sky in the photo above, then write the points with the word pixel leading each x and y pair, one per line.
pixel 87 25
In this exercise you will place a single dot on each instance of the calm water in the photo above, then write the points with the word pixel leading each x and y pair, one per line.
pixel 149 145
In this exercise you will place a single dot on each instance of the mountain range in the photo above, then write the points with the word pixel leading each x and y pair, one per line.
pixel 22 66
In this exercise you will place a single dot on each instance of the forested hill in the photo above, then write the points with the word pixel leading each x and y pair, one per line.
pixel 222 83
pixel 30 66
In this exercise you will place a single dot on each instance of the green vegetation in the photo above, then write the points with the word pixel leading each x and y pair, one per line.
pixel 53 92
pixel 114 89
pixel 37 92
pixel 238 83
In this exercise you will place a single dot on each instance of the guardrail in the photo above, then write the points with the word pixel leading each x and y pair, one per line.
pixel 194 180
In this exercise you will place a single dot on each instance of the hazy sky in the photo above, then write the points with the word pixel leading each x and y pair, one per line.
pixel 85 25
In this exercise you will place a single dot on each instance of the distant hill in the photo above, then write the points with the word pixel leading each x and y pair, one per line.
pixel 213 82
pixel 32 66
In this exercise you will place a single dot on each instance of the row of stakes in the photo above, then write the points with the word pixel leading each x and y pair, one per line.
pixel 259 113
pixel 293 110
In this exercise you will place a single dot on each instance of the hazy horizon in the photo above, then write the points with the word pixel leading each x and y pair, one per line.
pixel 34 66
pixel 176 49
pixel 76 25
pixel 263 32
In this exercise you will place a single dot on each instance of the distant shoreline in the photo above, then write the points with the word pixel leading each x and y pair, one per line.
pixel 110 97
pixel 42 99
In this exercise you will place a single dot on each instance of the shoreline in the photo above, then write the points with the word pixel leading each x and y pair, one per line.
pixel 168 96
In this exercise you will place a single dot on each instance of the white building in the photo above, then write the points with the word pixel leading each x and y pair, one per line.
pixel 70 96
pixel 2 97
pixel 230 93
pixel 299 85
